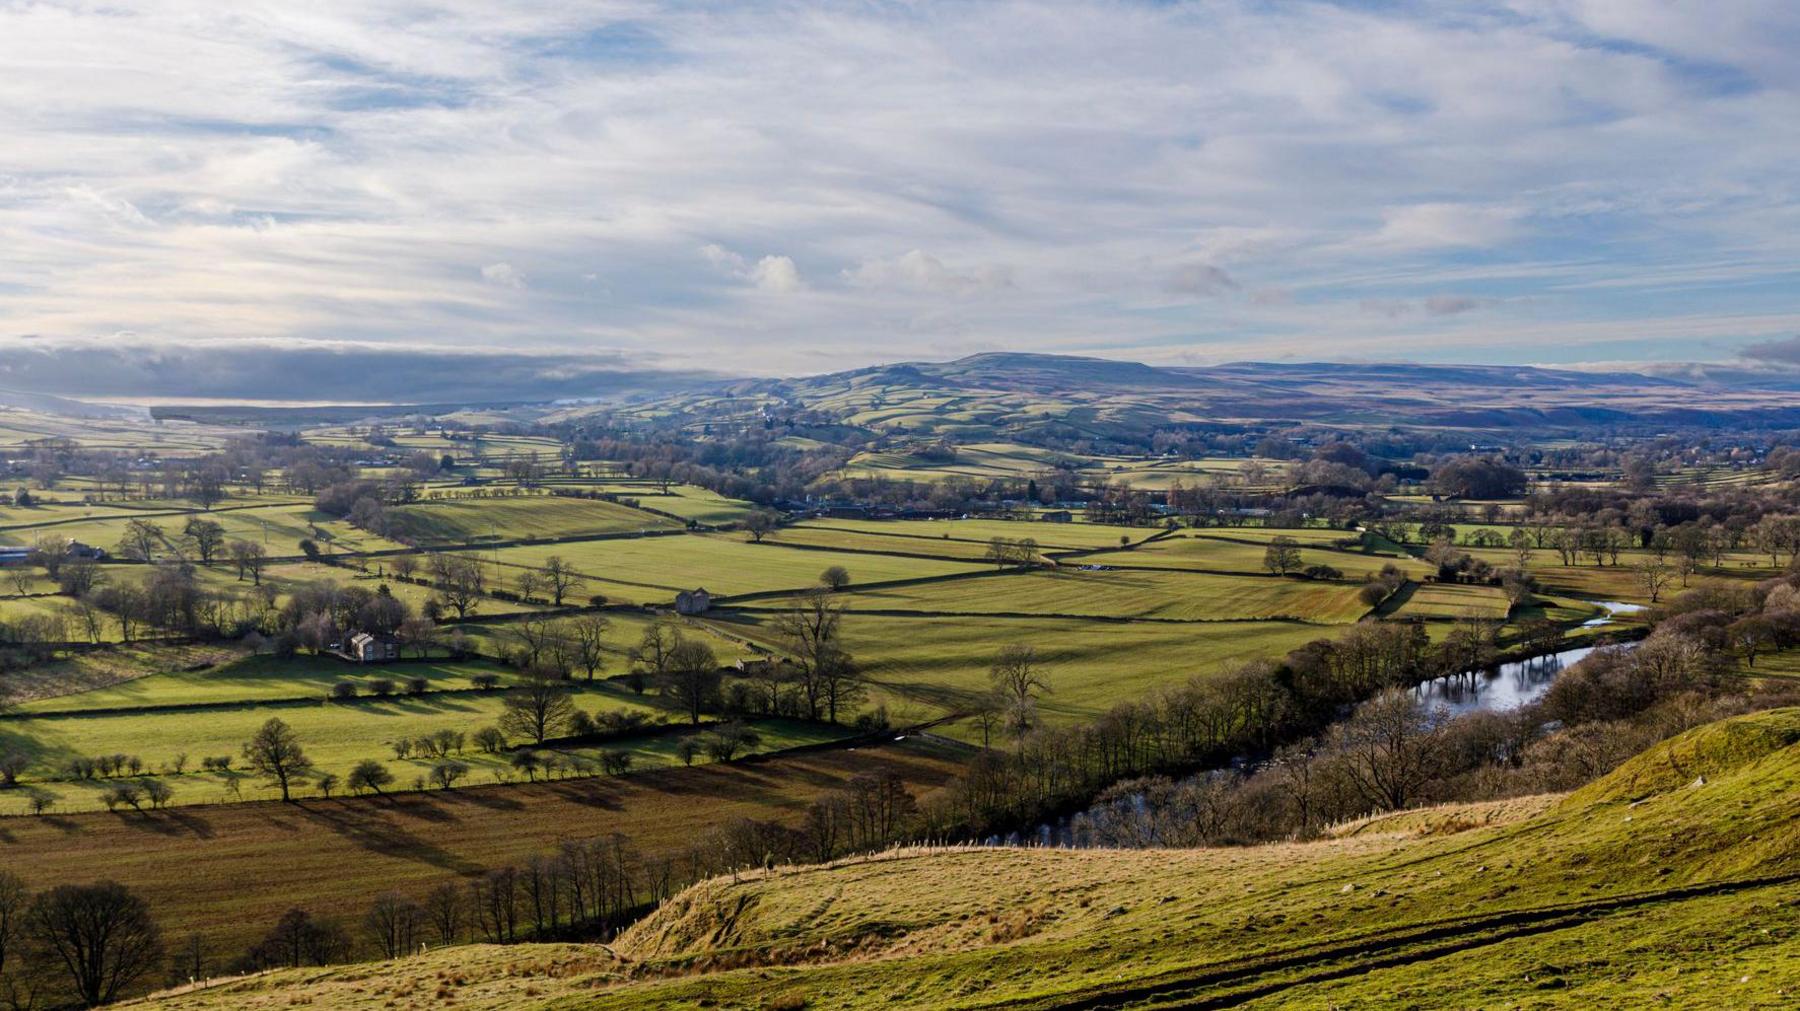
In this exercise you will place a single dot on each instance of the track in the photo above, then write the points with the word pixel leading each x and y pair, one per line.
pixel 1233 984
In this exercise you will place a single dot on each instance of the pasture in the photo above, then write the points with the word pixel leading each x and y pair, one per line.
pixel 467 520
pixel 1139 594
pixel 331 856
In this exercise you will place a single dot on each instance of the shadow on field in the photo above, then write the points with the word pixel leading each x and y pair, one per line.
pixel 376 832
pixel 170 821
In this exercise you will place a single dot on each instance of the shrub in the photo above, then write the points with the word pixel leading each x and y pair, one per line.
pixel 616 763
pixel 417 685
pixel 1321 572
pixel 490 739
pixel 485 682
pixel 343 690
pixel 383 686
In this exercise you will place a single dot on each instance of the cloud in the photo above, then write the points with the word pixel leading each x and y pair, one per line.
pixel 1782 354
pixel 918 271
pixel 1451 305
pixel 296 372
pixel 503 274
pixel 1199 279
pixel 1445 226
pixel 330 172
pixel 776 274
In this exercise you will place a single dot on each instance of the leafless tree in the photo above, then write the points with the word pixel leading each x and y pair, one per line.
pixel 275 752
pixel 102 935
pixel 540 708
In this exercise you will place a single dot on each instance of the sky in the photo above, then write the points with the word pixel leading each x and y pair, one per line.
pixel 261 198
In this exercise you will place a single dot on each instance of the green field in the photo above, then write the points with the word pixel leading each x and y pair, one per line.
pixel 1050 536
pixel 653 569
pixel 1165 595
pixel 1448 600
pixel 460 521
pixel 1220 554
pixel 924 667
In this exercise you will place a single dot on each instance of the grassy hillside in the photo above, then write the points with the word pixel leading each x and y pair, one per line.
pixel 1673 882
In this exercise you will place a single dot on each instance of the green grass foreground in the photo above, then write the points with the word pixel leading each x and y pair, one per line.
pixel 1672 882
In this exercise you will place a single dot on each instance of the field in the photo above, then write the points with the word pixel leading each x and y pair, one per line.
pixel 924 667
pixel 1633 892
pixel 1222 554
pixel 1139 594
pixel 279 526
pixel 193 863
pixel 654 569
pixel 1050 536
pixel 1447 600
pixel 462 521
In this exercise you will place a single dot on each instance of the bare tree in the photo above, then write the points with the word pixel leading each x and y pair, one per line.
pixel 560 578
pixel 1654 576
pixel 586 635
pixel 369 776
pixel 206 536
pixel 1391 746
pixel 760 524
pixel 835 578
pixel 539 709
pixel 461 583
pixel 692 677
pixel 248 557
pixel 102 935
pixel 1018 680
pixel 140 540
pixel 275 752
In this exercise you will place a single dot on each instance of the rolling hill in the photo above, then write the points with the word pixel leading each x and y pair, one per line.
pixel 1672 882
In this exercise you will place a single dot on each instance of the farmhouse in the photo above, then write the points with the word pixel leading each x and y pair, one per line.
pixel 693 602
pixel 1058 516
pixel 367 648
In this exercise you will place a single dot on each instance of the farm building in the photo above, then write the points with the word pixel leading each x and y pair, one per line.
pixel 693 602
pixel 1058 516
pixel 367 648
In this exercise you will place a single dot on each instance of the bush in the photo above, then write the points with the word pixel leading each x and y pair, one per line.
pixel 485 682
pixel 383 686
pixel 490 740
pixel 417 685
pixel 1321 572
pixel 343 690
pixel 616 763
pixel 1372 593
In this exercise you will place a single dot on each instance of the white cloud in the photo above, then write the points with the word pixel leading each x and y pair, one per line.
pixel 186 171
pixel 919 271
pixel 776 274
pixel 1446 226
pixel 503 274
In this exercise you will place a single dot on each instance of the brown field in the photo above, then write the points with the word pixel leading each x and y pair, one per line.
pixel 228 871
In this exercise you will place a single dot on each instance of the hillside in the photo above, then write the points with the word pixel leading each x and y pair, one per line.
pixel 1043 399
pixel 1674 881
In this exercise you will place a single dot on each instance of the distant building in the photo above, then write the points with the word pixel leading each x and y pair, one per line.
pixel 14 555
pixel 367 648
pixel 1058 516
pixel 693 602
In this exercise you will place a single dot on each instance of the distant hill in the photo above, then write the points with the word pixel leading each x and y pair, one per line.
pixel 1049 398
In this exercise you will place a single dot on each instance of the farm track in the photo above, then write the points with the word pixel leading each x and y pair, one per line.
pixel 1400 946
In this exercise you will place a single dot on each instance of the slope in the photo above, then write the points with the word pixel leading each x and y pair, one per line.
pixel 1675 881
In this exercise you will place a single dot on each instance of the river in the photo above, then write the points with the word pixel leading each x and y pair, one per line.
pixel 1504 688
pixel 1515 684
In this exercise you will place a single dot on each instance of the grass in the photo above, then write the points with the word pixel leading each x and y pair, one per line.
pixel 1634 892
pixel 336 735
pixel 1448 600
pixel 194 864
pixel 529 517
pixel 1144 594
pixel 653 569
pixel 1050 536
pixel 1210 553
pixel 924 667
pixel 259 679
